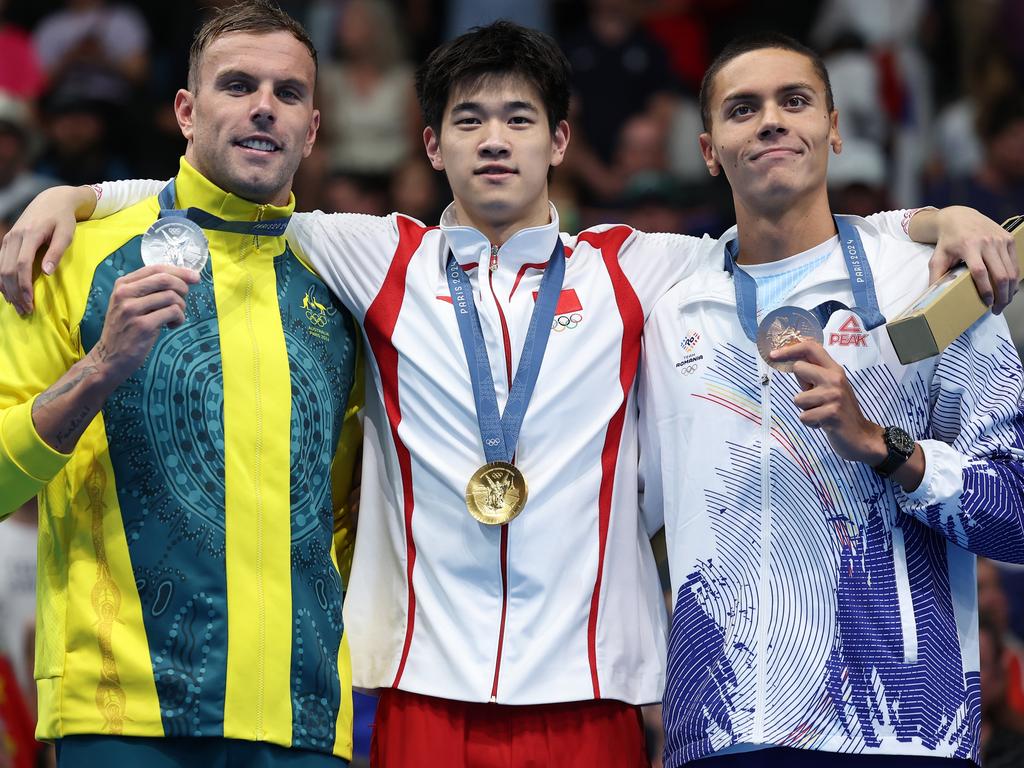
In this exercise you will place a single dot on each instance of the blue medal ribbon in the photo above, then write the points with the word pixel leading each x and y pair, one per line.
pixel 861 282
pixel 499 432
pixel 269 228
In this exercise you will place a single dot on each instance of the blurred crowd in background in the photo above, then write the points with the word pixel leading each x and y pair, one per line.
pixel 931 100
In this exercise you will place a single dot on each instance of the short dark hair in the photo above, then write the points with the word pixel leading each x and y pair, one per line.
pixel 497 50
pixel 758 41
pixel 253 16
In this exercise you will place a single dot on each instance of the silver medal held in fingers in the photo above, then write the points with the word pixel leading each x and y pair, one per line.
pixel 177 241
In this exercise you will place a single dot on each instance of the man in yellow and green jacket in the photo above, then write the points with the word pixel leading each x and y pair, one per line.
pixel 184 435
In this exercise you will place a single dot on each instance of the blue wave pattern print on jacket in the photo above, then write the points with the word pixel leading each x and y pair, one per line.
pixel 843 619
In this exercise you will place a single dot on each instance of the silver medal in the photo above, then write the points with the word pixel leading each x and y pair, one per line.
pixel 177 241
pixel 785 326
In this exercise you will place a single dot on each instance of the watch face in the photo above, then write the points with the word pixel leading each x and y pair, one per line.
pixel 899 441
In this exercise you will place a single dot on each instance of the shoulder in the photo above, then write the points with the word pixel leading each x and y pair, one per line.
pixel 899 268
pixel 110 233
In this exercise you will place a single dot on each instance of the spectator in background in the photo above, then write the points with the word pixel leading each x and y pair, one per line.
pixel 678 26
pixel 889 30
pixel 993 605
pixel 79 147
pixel 18 184
pixel 856 179
pixel 415 190
pixel 18 538
pixel 365 193
pixel 1002 732
pixel 996 188
pixel 20 72
pixel 660 202
pixel 619 71
pixel 369 114
pixel 464 14
pixel 98 50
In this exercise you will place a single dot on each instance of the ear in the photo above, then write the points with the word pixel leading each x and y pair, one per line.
pixel 707 149
pixel 834 139
pixel 432 143
pixel 184 109
pixel 559 143
pixel 314 126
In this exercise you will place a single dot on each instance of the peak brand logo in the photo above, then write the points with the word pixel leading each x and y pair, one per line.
pixel 850 334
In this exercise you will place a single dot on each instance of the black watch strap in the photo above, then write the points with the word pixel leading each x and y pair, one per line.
pixel 900 446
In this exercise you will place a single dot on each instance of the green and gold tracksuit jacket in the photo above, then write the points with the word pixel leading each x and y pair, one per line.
pixel 188 583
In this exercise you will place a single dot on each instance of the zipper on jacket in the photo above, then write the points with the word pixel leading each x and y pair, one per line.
pixel 492 267
pixel 766 532
pixel 261 598
pixel 904 597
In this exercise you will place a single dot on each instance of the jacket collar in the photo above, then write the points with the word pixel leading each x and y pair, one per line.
pixel 193 190
pixel 532 245
pixel 717 283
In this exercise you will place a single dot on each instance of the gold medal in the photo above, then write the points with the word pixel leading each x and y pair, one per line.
pixel 496 493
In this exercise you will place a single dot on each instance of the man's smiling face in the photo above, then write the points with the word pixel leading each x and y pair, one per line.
pixel 771 128
pixel 251 120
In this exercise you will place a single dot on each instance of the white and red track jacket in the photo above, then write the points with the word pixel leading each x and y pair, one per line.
pixel 563 603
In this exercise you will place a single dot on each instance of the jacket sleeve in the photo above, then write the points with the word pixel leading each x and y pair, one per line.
pixel 895 224
pixel 973 486
pixel 113 196
pixel 344 472
pixel 35 351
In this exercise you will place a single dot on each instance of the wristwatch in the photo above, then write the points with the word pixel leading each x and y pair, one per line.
pixel 900 446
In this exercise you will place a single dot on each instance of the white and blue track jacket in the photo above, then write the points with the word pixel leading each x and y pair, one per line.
pixel 817 605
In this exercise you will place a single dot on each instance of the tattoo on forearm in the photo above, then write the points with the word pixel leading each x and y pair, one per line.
pixel 47 408
pixel 68 435
pixel 62 387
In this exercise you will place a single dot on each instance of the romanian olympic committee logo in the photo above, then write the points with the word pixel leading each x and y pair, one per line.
pixel 689 342
pixel 566 322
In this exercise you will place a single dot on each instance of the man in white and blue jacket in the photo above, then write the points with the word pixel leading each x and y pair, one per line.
pixel 822 522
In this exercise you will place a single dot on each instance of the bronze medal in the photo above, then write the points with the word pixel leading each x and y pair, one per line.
pixel 783 327
pixel 496 493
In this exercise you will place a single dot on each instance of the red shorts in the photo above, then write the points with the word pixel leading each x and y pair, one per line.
pixel 415 731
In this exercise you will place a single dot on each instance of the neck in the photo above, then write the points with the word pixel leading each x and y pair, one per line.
pixel 280 198
pixel 768 235
pixel 499 232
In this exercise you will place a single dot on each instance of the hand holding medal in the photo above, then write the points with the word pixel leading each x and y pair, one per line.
pixel 785 327
pixel 789 326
